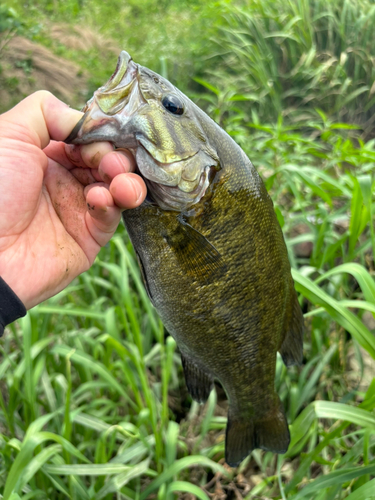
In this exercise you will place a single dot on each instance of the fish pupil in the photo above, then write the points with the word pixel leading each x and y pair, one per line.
pixel 173 104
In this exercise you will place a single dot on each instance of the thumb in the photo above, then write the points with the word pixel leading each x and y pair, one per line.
pixel 39 118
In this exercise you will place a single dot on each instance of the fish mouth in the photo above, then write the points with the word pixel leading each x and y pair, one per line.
pixel 111 108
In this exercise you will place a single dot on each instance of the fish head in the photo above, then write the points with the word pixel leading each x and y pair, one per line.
pixel 140 110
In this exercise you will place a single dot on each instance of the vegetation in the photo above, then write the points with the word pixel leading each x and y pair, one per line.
pixel 93 404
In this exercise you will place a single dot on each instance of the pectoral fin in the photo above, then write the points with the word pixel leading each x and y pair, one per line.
pixel 196 255
pixel 199 384
pixel 144 277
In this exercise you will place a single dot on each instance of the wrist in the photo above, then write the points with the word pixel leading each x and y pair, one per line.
pixel 14 283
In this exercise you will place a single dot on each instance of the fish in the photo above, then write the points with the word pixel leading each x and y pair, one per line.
pixel 210 249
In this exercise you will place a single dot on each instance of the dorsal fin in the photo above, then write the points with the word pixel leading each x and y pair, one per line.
pixel 291 349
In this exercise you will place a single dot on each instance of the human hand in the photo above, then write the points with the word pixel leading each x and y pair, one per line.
pixel 58 204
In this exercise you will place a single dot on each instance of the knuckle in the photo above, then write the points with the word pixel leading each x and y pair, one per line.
pixel 42 95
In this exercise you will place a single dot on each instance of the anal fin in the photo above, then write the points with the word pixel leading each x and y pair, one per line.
pixel 198 382
pixel 291 349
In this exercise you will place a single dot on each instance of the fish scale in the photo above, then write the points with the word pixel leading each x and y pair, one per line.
pixel 213 260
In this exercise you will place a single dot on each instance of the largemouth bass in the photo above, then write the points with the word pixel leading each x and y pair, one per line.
pixel 210 249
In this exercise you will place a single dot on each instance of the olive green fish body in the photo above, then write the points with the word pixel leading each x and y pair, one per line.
pixel 214 262
pixel 231 326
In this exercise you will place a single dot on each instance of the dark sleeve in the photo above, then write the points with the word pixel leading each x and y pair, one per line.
pixel 11 308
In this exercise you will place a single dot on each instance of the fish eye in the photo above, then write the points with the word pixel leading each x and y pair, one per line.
pixel 173 104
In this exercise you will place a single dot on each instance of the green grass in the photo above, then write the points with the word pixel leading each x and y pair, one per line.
pixel 93 403
pixel 289 57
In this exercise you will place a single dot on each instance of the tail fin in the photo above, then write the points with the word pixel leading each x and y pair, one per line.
pixel 271 433
pixel 291 349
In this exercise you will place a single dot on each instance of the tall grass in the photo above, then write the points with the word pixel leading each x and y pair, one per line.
pixel 287 58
